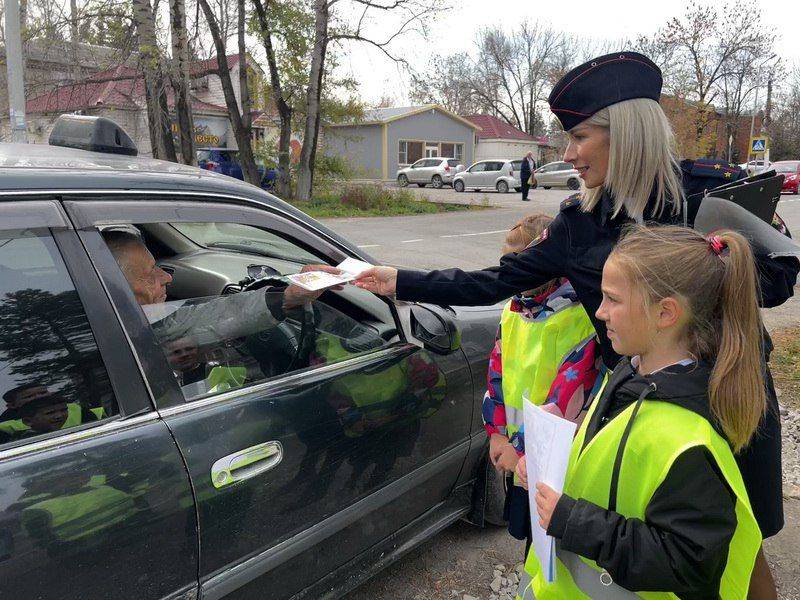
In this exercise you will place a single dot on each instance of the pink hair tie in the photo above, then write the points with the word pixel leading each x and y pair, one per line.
pixel 716 244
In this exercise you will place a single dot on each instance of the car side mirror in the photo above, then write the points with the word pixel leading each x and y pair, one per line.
pixel 437 332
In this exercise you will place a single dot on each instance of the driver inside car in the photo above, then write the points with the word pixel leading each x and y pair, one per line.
pixel 210 323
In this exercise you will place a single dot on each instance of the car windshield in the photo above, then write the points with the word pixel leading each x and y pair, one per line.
pixel 786 167
pixel 244 238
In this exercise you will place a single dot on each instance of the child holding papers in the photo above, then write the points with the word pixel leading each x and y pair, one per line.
pixel 653 498
pixel 543 333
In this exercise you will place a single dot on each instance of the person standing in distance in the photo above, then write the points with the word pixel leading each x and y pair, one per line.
pixel 621 142
pixel 525 172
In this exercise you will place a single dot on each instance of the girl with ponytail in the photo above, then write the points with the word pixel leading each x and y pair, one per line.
pixel 653 499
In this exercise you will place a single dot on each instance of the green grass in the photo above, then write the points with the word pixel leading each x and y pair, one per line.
pixel 373 201
pixel 785 364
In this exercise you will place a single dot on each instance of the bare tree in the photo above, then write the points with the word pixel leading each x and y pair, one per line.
pixel 155 89
pixel 454 92
pixel 282 99
pixel 784 126
pixel 180 81
pixel 411 17
pixel 240 124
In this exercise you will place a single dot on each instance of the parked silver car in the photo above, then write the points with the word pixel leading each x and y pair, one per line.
pixel 434 171
pixel 557 174
pixel 496 174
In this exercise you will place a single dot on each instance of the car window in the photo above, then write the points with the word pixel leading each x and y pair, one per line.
pixel 244 238
pixel 453 162
pixel 433 162
pixel 477 167
pixel 516 165
pixel 217 336
pixel 52 377
pixel 564 166
pixel 494 166
pixel 418 164
pixel 787 167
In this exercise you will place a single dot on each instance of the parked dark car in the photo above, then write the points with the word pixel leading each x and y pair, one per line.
pixel 149 453
pixel 226 161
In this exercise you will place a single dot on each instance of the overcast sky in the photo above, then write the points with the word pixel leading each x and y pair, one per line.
pixel 610 19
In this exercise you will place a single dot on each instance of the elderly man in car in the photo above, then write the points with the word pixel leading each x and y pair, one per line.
pixel 209 322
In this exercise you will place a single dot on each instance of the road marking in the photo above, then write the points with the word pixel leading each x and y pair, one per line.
pixel 471 234
pixel 370 246
pixel 410 241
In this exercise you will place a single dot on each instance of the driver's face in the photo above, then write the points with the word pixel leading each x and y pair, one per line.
pixel 147 280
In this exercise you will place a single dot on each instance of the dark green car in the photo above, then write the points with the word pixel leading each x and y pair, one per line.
pixel 219 442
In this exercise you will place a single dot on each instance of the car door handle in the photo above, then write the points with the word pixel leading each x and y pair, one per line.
pixel 246 463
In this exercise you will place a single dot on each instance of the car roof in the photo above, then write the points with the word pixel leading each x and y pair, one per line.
pixel 32 168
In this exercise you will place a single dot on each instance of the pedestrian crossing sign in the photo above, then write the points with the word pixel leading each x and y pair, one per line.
pixel 759 145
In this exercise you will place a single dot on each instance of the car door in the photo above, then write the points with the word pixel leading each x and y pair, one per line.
pixel 472 176
pixel 95 501
pixel 544 176
pixel 417 172
pixel 490 174
pixel 297 469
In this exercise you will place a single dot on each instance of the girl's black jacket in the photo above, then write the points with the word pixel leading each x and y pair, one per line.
pixel 681 546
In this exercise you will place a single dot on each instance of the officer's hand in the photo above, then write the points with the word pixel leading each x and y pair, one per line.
pixel 521 471
pixel 294 295
pixel 546 500
pixel 378 280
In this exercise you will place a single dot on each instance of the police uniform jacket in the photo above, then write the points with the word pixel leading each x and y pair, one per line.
pixel 576 246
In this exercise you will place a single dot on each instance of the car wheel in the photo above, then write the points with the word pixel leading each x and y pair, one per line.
pixel 502 187
pixel 458 186
pixel 436 182
pixel 495 498
pixel 547 187
pixel 402 180
pixel 573 184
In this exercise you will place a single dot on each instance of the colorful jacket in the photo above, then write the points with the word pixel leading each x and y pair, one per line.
pixel 576 378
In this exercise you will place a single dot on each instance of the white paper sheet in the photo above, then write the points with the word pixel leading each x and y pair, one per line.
pixel 548 439
pixel 320 280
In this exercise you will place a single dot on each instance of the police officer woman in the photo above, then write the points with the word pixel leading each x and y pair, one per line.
pixel 623 146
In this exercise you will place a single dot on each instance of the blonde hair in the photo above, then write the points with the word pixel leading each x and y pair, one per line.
pixel 642 155
pixel 720 293
pixel 526 230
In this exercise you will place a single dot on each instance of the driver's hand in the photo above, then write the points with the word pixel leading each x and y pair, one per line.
pixel 378 280
pixel 294 295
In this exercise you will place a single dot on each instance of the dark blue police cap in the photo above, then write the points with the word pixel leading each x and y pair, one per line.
pixel 601 82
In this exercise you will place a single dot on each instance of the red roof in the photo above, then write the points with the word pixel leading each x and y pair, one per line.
pixel 199 68
pixel 120 87
pixel 493 128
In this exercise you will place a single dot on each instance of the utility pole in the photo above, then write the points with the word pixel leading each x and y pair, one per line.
pixel 16 83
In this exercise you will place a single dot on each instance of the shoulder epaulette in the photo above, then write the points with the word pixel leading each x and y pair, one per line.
pixel 707 167
pixel 574 200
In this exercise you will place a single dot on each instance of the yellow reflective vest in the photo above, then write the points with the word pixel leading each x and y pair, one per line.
pixel 661 432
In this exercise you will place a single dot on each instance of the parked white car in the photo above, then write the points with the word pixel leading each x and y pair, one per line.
pixel 434 171
pixel 497 174
pixel 754 167
pixel 557 174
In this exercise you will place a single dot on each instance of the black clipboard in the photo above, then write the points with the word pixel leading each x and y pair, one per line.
pixel 759 194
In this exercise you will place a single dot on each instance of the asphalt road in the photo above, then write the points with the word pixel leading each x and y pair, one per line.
pixel 462 561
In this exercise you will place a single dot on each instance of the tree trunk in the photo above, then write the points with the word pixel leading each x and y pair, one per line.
pixel 241 133
pixel 305 177
pixel 180 81
pixel 155 93
pixel 73 40
pixel 244 89
pixel 284 110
